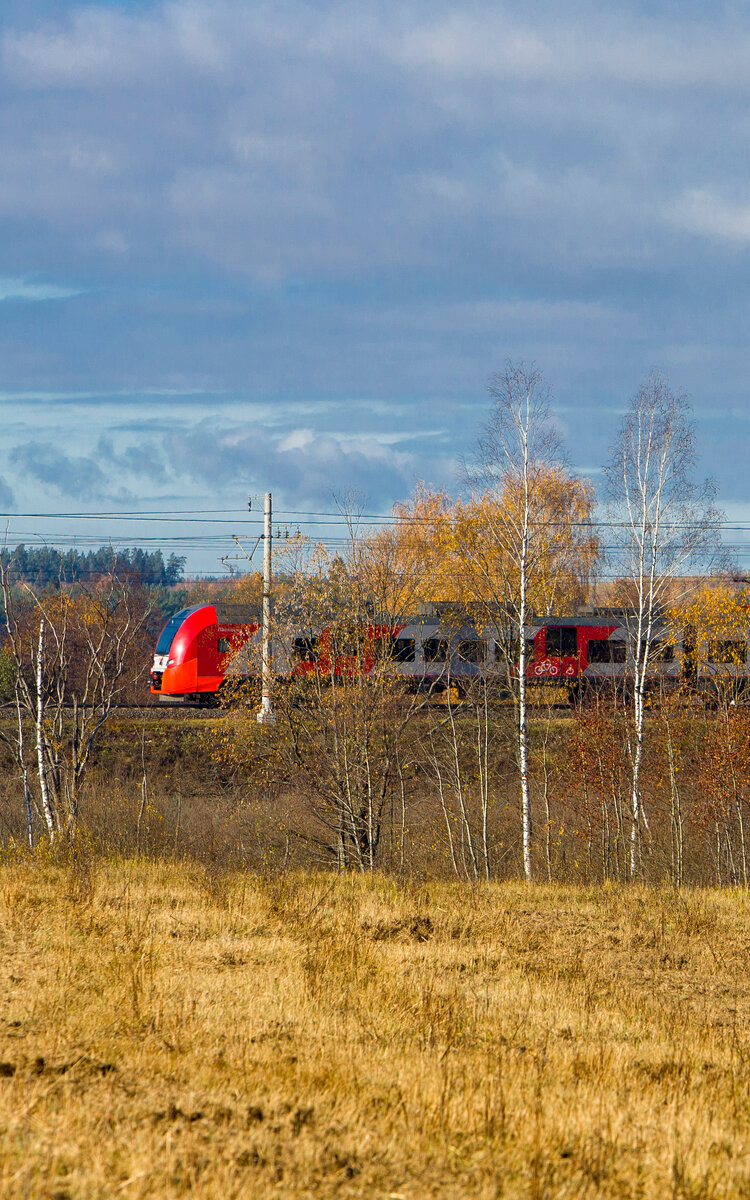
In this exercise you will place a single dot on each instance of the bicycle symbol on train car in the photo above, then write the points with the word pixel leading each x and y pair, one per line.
pixel 547 666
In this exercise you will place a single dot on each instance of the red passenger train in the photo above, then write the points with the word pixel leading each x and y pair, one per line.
pixel 195 649
pixel 193 653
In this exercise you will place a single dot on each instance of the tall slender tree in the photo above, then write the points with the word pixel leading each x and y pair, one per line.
pixel 517 454
pixel 663 525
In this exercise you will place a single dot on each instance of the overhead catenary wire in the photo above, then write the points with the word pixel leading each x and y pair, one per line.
pixel 329 530
pixel 204 541
pixel 239 516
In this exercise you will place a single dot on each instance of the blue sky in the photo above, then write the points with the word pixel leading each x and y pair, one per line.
pixel 283 245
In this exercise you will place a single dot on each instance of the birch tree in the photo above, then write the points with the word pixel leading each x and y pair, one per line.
pixel 74 655
pixel 516 454
pixel 663 526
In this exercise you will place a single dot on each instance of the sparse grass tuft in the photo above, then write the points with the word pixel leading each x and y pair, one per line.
pixel 167 1031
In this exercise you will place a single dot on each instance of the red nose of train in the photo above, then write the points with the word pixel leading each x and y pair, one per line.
pixel 193 651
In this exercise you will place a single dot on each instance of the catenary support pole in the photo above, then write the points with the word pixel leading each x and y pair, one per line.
pixel 266 714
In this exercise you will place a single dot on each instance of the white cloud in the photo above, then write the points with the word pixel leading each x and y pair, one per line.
pixel 305 465
pixel 100 45
pixel 95 46
pixel 701 211
pixel 464 45
pixel 141 396
pixel 21 289
pixel 298 439
pixel 587 46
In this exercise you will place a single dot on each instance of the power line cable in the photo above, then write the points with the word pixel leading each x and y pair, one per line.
pixel 197 516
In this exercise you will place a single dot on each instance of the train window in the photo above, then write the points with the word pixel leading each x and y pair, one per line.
pixel 561 641
pixel 727 650
pixel 598 650
pixel 601 650
pixel 435 650
pixel 166 637
pixel 347 642
pixel 305 648
pixel 504 652
pixel 530 645
pixel 471 650
pixel 224 645
pixel 660 651
pixel 404 650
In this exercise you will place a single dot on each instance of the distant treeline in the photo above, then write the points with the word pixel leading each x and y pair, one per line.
pixel 45 567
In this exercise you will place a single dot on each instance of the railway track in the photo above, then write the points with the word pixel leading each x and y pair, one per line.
pixel 166 711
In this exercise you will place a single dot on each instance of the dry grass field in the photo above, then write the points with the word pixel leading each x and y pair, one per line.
pixel 166 1032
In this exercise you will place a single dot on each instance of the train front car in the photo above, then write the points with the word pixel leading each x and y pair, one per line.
pixel 193 653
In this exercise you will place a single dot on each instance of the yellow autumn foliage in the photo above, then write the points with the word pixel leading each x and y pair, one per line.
pixel 468 552
pixel 718 616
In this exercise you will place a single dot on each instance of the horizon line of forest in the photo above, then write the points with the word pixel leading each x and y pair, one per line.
pixel 47 567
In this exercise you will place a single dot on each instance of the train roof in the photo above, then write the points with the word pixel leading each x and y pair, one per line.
pixel 237 614
pixel 575 622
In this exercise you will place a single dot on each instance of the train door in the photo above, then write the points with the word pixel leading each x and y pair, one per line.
pixel 561 643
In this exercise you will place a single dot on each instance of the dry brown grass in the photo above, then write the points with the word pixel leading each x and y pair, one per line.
pixel 165 1032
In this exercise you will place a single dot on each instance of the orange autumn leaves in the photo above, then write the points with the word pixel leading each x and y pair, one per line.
pixel 468 552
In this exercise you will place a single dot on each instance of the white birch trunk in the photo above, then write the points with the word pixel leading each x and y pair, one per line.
pixel 523 740
pixel 41 746
pixel 24 773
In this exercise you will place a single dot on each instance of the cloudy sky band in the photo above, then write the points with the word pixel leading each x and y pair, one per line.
pixel 285 245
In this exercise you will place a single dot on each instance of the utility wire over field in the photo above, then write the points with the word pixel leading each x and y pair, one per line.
pixel 212 531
